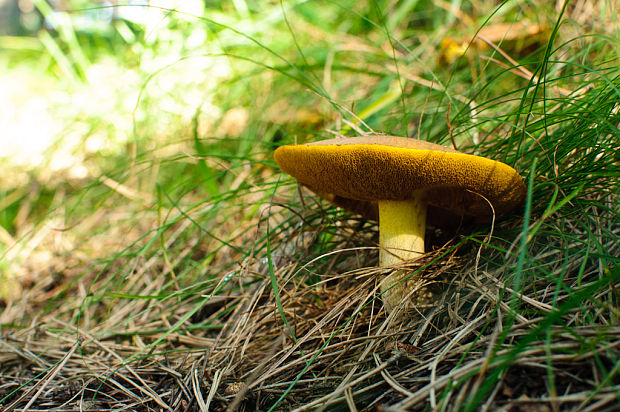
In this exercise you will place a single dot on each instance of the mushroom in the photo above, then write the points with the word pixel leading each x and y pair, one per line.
pixel 403 179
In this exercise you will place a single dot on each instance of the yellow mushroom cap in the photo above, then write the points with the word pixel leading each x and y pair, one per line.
pixel 357 172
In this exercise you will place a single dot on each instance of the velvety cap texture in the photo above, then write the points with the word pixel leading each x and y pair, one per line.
pixel 371 168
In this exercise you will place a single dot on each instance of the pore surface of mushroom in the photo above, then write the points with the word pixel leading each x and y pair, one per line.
pixel 400 180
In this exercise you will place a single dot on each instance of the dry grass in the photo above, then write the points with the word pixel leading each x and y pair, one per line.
pixel 337 347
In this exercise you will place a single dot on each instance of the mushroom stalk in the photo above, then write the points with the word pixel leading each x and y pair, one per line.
pixel 402 224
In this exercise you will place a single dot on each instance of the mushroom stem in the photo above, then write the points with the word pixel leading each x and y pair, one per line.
pixel 402 224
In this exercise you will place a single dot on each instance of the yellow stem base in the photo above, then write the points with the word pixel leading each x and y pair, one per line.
pixel 402 225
